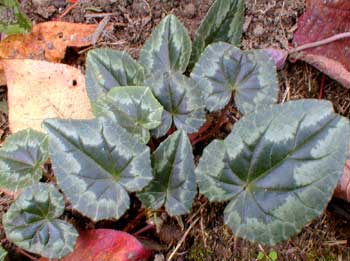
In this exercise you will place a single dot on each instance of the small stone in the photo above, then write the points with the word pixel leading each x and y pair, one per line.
pixel 190 10
pixel 258 30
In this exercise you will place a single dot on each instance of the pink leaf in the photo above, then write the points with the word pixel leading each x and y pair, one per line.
pixel 324 19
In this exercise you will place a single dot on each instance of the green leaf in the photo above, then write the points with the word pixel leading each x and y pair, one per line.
pixel 182 102
pixel 168 48
pixel 223 22
pixel 12 21
pixel 134 108
pixel 96 162
pixel 250 74
pixel 32 222
pixel 174 183
pixel 21 158
pixel 3 254
pixel 278 168
pixel 260 256
pixel 106 68
pixel 273 255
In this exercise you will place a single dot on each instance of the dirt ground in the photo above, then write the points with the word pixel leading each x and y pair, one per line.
pixel 268 23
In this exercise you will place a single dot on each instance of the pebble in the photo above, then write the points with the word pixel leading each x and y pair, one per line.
pixel 258 30
pixel 189 10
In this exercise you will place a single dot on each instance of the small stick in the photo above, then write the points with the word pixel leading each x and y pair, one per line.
pixel 182 239
pixel 26 254
pixel 101 26
pixel 334 38
pixel 99 15
pixel 68 10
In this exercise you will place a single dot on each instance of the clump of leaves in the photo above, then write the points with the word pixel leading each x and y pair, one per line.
pixel 12 20
pixel 277 169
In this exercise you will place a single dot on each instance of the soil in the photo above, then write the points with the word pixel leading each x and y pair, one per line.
pixel 268 23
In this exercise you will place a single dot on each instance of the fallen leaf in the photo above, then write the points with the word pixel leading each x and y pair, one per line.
pixel 47 41
pixel 343 189
pixel 41 90
pixel 107 245
pixel 322 20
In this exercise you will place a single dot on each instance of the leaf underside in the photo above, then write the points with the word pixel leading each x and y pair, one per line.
pixel 133 108
pixel 251 75
pixel 96 162
pixel 21 159
pixel 32 222
pixel 107 68
pixel 168 48
pixel 278 168
pixel 223 22
pixel 174 183
pixel 182 102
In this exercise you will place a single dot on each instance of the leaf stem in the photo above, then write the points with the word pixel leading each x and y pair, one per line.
pixel 331 39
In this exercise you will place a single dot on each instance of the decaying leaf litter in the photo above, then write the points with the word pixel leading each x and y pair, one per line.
pixel 306 77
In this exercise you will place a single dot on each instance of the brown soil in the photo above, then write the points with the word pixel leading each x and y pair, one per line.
pixel 268 23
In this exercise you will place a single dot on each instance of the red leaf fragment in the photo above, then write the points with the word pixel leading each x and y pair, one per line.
pixel 322 20
pixel 107 245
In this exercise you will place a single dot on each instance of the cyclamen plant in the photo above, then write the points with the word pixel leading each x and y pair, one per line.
pixel 277 169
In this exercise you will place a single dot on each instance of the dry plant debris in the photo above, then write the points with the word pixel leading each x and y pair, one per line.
pixel 59 92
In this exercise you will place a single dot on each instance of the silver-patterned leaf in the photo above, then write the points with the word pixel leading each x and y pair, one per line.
pixel 3 254
pixel 251 75
pixel 182 102
pixel 107 68
pixel 32 222
pixel 133 107
pixel 278 168
pixel 174 183
pixel 21 158
pixel 168 48
pixel 223 22
pixel 96 162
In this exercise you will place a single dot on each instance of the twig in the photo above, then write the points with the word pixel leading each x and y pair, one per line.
pixel 26 254
pixel 68 10
pixel 334 38
pixel 93 15
pixel 101 26
pixel 143 230
pixel 182 239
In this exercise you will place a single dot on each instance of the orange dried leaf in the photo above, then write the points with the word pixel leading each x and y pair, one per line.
pixel 38 90
pixel 47 41
pixel 322 20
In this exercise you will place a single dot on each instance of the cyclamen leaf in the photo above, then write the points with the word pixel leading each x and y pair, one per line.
pixel 3 254
pixel 278 168
pixel 21 159
pixel 174 183
pixel 96 162
pixel 106 68
pixel 32 222
pixel 168 48
pixel 134 108
pixel 250 74
pixel 223 22
pixel 182 102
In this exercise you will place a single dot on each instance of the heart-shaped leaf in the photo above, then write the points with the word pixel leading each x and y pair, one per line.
pixel 32 222
pixel 250 74
pixel 107 244
pixel 106 68
pixel 223 22
pixel 174 183
pixel 133 107
pixel 96 163
pixel 21 158
pixel 168 48
pixel 278 168
pixel 182 102
pixel 3 254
